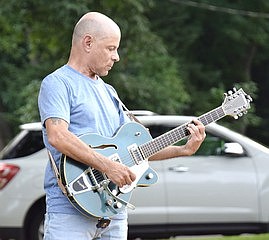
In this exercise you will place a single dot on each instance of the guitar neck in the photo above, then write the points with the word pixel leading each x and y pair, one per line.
pixel 173 136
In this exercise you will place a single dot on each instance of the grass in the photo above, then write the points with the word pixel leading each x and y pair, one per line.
pixel 242 237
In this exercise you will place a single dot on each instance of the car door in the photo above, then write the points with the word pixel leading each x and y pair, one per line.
pixel 150 202
pixel 211 186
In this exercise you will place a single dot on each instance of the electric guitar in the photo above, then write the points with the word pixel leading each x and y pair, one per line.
pixel 93 194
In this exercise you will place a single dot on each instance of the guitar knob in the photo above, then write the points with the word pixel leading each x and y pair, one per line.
pixel 109 202
pixel 114 192
pixel 137 134
pixel 117 205
pixel 149 176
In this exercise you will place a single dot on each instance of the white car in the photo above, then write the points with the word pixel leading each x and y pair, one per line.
pixel 223 189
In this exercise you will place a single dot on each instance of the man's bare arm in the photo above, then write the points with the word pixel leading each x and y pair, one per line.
pixel 68 144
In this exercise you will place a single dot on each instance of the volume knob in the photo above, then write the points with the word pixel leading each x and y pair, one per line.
pixel 149 176
pixel 117 205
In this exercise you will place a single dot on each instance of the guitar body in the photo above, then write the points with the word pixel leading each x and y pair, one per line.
pixel 89 190
pixel 92 193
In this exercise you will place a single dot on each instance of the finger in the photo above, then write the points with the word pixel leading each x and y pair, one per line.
pixel 193 128
pixel 199 125
pixel 130 178
pixel 197 132
pixel 196 121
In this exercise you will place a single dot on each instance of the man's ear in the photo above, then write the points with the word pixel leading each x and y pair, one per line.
pixel 87 42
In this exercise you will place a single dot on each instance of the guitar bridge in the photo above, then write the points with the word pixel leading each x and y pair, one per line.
pixel 136 154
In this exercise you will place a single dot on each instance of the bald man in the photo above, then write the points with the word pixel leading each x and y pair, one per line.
pixel 74 100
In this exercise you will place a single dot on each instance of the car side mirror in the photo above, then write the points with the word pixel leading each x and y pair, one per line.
pixel 234 149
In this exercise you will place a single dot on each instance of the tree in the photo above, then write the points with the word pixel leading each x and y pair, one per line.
pixel 216 50
pixel 175 58
pixel 36 37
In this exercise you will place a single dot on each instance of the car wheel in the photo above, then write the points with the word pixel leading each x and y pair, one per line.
pixel 41 231
pixel 36 227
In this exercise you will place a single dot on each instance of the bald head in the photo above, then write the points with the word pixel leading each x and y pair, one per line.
pixel 95 43
pixel 95 24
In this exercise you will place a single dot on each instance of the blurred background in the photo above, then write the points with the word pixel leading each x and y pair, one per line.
pixel 177 56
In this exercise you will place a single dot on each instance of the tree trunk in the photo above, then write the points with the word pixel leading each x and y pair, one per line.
pixel 5 131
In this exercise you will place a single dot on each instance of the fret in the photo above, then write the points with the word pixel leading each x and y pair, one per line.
pixel 173 136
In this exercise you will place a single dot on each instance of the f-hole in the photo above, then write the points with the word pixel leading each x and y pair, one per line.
pixel 104 146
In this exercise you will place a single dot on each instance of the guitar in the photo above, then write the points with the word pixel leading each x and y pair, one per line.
pixel 93 194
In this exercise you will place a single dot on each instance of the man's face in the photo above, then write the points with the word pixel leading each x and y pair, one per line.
pixel 104 53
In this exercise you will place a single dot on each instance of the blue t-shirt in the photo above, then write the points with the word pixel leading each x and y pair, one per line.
pixel 88 105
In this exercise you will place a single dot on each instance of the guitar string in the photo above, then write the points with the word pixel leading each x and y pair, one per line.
pixel 178 133
pixel 167 138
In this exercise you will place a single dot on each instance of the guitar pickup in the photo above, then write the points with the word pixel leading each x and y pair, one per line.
pixel 136 154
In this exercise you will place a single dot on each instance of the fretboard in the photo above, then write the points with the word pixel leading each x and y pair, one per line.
pixel 173 136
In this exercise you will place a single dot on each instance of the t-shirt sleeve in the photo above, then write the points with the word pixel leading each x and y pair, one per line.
pixel 53 99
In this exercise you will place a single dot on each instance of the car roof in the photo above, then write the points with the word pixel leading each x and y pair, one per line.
pixel 173 120
pixel 34 126
pixel 146 117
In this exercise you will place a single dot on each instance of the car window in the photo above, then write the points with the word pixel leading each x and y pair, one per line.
pixel 24 144
pixel 212 145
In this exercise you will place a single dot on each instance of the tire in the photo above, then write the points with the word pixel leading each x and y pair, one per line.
pixel 35 224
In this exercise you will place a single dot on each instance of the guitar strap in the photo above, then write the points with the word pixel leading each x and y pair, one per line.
pixel 57 174
pixel 129 114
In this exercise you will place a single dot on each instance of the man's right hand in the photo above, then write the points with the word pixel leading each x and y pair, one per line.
pixel 120 174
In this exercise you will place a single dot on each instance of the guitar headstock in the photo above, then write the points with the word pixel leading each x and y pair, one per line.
pixel 236 103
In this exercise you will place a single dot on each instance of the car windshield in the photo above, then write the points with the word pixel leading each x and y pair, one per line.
pixel 24 144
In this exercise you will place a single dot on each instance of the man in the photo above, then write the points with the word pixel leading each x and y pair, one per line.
pixel 74 100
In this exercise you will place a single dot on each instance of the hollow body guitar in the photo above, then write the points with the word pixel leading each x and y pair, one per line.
pixel 90 190
pixel 93 194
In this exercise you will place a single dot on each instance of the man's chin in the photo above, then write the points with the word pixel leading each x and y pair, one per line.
pixel 103 74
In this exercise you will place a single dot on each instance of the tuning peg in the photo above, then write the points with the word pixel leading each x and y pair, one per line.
pixel 249 98
pixel 235 117
pixel 234 89
pixel 230 92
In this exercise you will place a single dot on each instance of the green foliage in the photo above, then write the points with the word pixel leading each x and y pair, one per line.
pixel 146 77
pixel 175 58
pixel 216 50
pixel 243 237
pixel 37 38
pixel 27 112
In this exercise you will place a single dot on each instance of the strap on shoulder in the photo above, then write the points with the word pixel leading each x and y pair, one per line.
pixel 129 114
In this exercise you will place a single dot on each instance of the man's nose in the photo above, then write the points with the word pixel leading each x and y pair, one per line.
pixel 116 57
